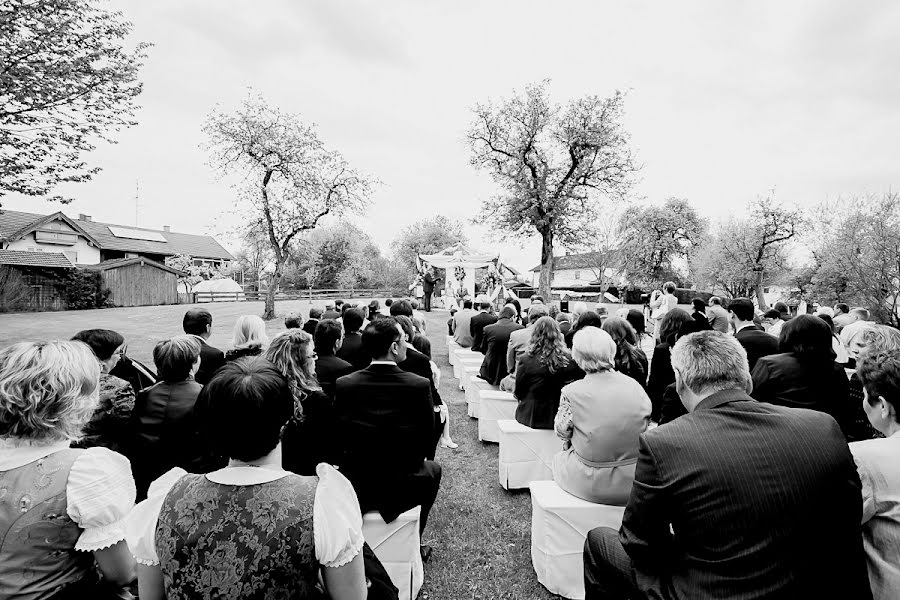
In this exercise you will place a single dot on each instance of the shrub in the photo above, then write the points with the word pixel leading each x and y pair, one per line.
pixel 84 289
pixel 14 292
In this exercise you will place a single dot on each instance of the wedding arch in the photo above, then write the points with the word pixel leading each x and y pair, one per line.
pixel 459 263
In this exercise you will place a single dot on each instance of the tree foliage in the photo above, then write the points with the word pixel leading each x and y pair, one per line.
pixel 66 81
pixel 192 273
pixel 289 179
pixel 427 236
pixel 654 238
pixel 553 164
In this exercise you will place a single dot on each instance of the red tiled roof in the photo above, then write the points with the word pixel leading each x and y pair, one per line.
pixel 35 259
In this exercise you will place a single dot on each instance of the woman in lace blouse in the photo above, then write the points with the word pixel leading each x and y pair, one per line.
pixel 61 509
pixel 251 529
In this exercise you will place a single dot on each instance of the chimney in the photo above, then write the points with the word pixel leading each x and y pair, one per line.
pixel 84 217
pixel 166 228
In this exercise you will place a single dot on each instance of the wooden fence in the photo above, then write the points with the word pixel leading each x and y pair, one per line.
pixel 254 296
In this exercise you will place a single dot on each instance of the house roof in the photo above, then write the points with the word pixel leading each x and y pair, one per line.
pixel 14 224
pixel 117 263
pixel 54 260
pixel 572 261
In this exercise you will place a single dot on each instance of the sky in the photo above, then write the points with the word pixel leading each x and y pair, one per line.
pixel 726 100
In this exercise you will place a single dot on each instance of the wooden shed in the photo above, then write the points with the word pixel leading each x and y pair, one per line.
pixel 138 281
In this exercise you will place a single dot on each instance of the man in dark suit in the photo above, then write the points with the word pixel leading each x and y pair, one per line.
pixel 329 368
pixel 198 323
pixel 351 349
pixel 755 341
pixel 737 499
pixel 428 282
pixel 494 345
pixel 315 315
pixel 479 322
pixel 418 363
pixel 386 423
pixel 331 312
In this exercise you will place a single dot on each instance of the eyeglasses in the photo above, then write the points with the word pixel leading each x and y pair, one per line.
pixel 121 351
pixel 312 356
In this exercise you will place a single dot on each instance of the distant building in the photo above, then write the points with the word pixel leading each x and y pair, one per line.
pixel 575 270
pixel 86 242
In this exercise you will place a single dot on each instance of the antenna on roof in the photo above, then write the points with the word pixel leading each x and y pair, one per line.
pixel 137 199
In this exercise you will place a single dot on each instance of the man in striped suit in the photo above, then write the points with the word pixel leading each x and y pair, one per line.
pixel 737 499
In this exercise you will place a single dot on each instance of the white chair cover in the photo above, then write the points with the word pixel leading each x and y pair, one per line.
pixel 526 454
pixel 494 406
pixel 396 545
pixel 473 398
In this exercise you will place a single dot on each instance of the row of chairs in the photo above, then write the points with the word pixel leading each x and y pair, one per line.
pixel 560 522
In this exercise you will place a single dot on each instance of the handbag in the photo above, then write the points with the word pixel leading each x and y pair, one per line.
pixel 378 582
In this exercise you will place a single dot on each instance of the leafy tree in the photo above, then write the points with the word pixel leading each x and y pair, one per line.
pixel 601 248
pixel 553 164
pixel 192 273
pixel 66 80
pixel 289 179
pixel 428 236
pixel 654 238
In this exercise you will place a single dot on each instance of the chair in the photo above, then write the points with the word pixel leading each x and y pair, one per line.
pixel 463 361
pixel 560 523
pixel 396 545
pixel 452 346
pixel 526 454
pixel 468 372
pixel 473 391
pixel 493 406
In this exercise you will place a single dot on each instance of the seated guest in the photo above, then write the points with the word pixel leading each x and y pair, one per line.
pixel 661 373
pixel 518 341
pixel 699 314
pixel 330 312
pixel 108 426
pixel 717 316
pixel 420 364
pixel 543 370
pixel 374 308
pixel 515 302
pixel 784 315
pixel 421 344
pixel 705 520
pixel 853 340
pixel 351 349
pixel 840 353
pixel 756 342
pixel 805 375
pixel 479 322
pixel 249 339
pixel 386 311
pixel 630 359
pixel 309 437
pixel 875 339
pixel 293 321
pixel 329 368
pixel 162 422
pixel 315 315
pixel 198 322
pixel 770 319
pixel 565 322
pixel 841 315
pixel 386 424
pixel 494 345
pixel 61 509
pixel 637 321
pixel 876 461
pixel 585 319
pixel 462 325
pixel 859 318
pixel 600 418
pixel 251 529
pixel 402 307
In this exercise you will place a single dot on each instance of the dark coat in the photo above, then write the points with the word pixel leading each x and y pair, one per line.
pixel 476 328
pixel 418 363
pixel 785 380
pixel 494 344
pixel 310 326
pixel 661 376
pixel 757 343
pixel 164 432
pixel 211 360
pixel 330 368
pixel 538 390
pixel 741 499
pixel 352 351
pixel 312 440
pixel 428 282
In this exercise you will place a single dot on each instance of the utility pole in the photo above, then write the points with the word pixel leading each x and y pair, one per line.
pixel 137 199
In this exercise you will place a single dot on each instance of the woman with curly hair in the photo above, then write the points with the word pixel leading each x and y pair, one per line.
pixel 674 323
pixel 309 436
pixel 630 359
pixel 542 371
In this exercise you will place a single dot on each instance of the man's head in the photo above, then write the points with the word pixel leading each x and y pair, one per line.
pixel 601 310
pixel 383 339
pixel 344 308
pixel 782 308
pixel 177 358
pixel 408 327
pixel 414 304
pixel 861 314
pixel 509 311
pixel 327 337
pixel 715 301
pixel 315 313
pixel 197 321
pixel 537 299
pixel 536 311
pixel 879 372
pixel 742 311
pixel 338 304
pixel 699 305
pixel 708 362
pixel 353 320
pixel 669 287
pixel 841 309
pixel 329 306
pixel 401 307
pixel 388 302
pixel 293 321
pixel 467 303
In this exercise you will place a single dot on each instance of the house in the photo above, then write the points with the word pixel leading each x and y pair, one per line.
pixel 86 242
pixel 576 270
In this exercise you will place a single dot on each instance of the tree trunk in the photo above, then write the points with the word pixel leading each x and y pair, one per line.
pixel 758 287
pixel 546 265
pixel 269 312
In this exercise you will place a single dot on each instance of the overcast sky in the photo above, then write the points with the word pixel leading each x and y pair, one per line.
pixel 726 99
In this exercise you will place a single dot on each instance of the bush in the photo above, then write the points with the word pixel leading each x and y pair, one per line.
pixel 14 292
pixel 84 289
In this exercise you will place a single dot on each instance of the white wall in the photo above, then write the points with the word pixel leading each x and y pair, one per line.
pixel 81 253
pixel 567 277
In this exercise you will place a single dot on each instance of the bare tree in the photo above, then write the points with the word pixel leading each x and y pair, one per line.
pixel 290 181
pixel 552 163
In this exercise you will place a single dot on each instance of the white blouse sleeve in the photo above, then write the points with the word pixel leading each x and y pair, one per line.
pixel 337 520
pixel 100 492
pixel 436 374
pixel 140 527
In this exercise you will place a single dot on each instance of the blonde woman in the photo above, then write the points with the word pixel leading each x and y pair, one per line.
pixel 249 339
pixel 62 509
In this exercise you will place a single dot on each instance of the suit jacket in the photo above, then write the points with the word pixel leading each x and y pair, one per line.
pixel 211 359
pixel 462 327
pixel 428 282
pixel 352 351
pixel 310 326
pixel 661 375
pixel 496 339
pixel 385 422
pixel 477 325
pixel 331 314
pixel 757 343
pixel 538 390
pixel 418 363
pixel 741 499
pixel 518 341
pixel 785 380
pixel 306 443
pixel 330 368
